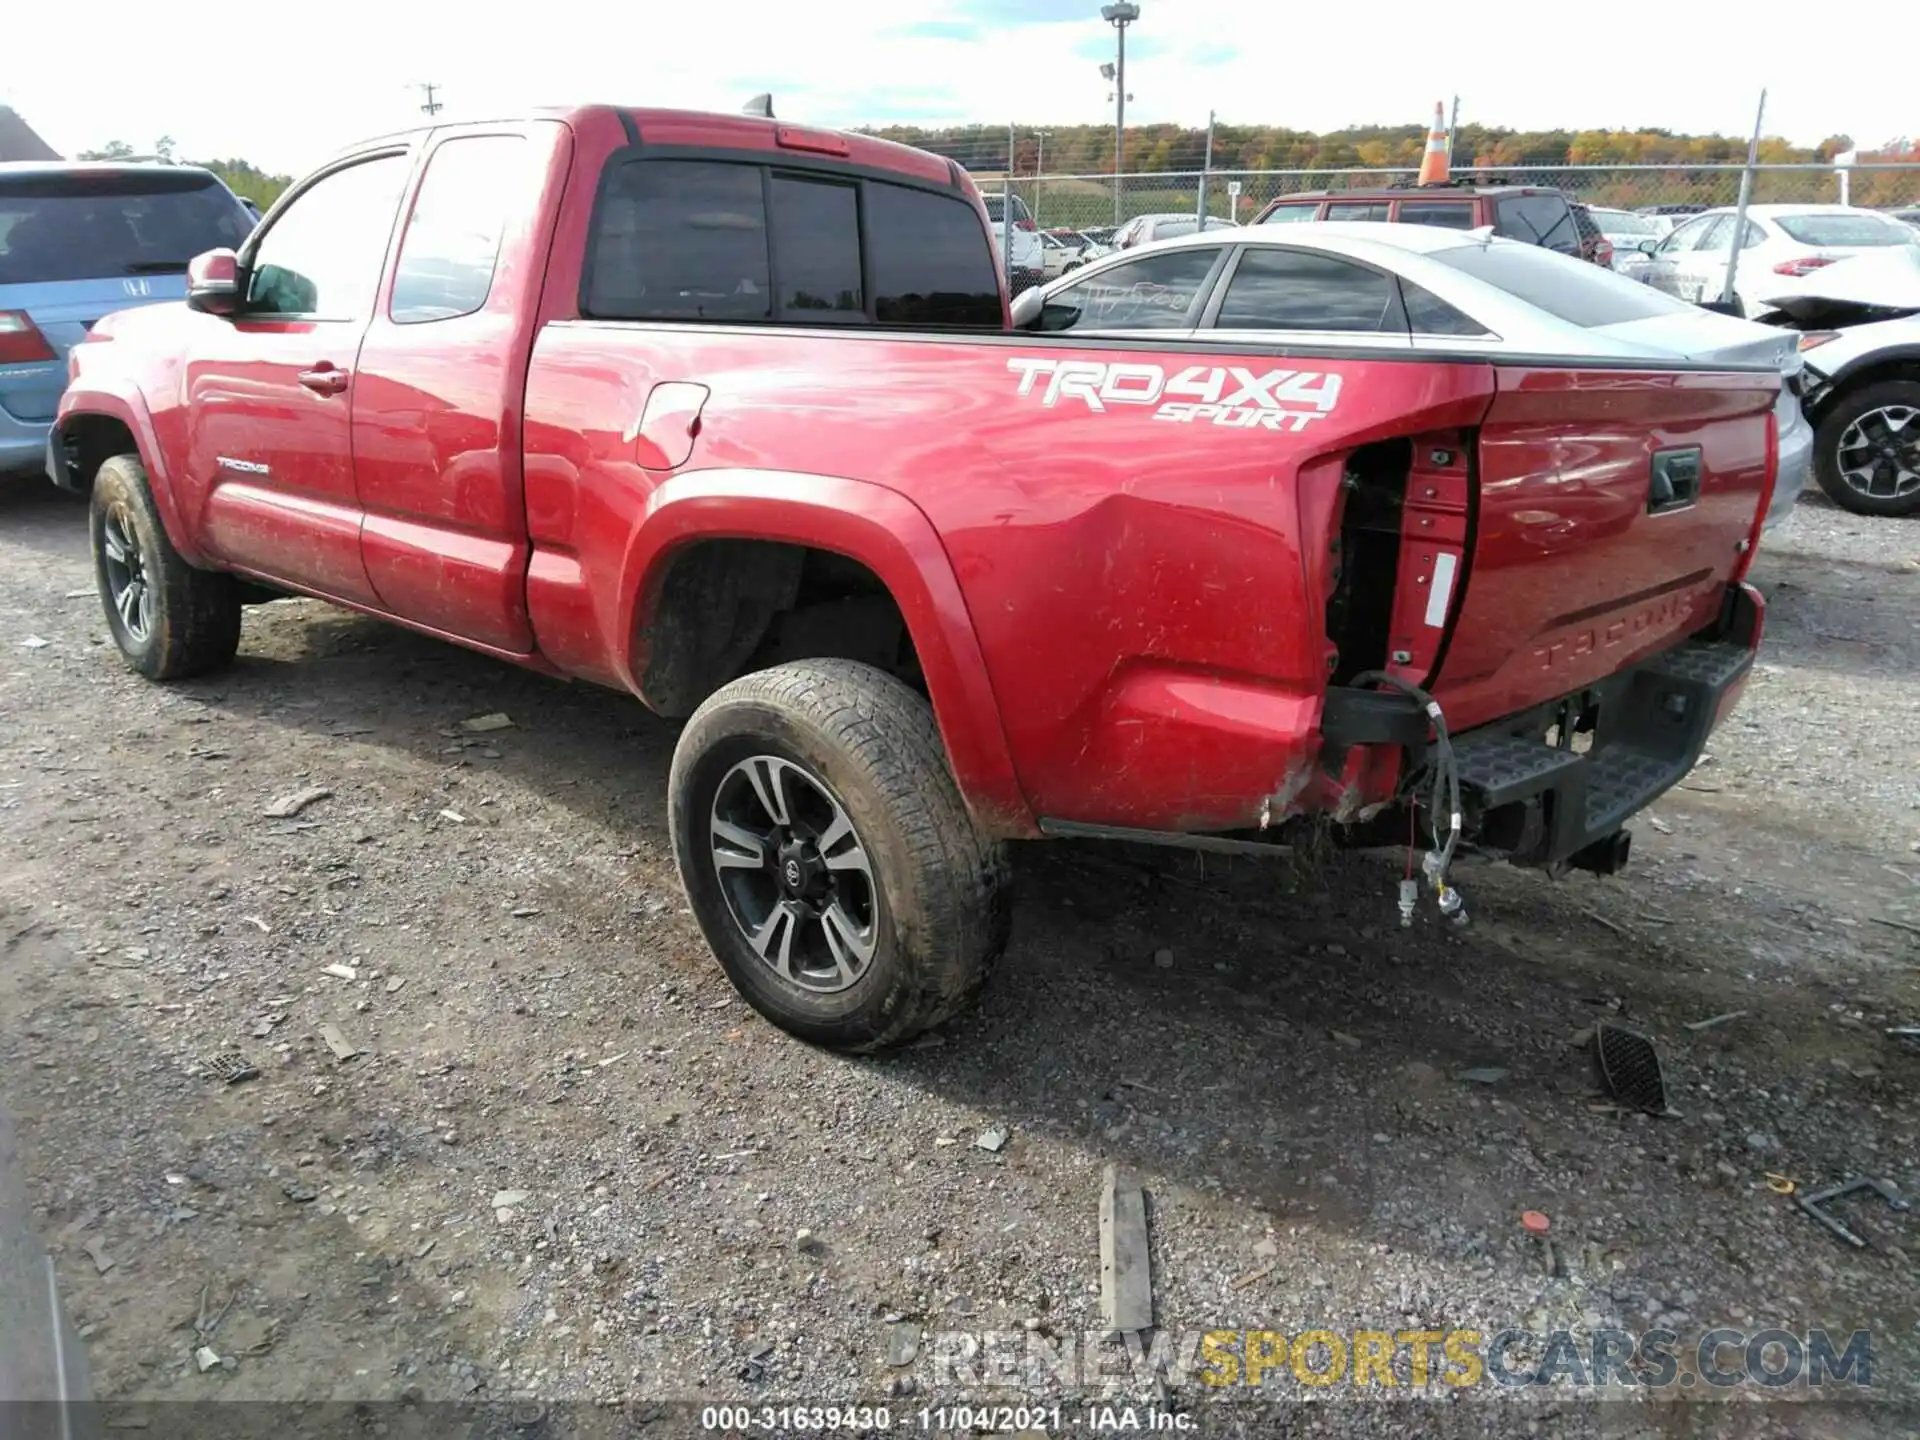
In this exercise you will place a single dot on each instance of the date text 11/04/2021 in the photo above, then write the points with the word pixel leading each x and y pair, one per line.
pixel 946 1419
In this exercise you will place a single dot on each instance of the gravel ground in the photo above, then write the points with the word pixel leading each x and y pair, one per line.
pixel 566 1163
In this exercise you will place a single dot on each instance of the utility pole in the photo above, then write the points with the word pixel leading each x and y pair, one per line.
pixel 1039 169
pixel 1453 127
pixel 1200 210
pixel 433 106
pixel 1120 16
pixel 1746 197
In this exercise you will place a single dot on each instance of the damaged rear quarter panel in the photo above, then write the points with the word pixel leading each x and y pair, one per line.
pixel 1150 596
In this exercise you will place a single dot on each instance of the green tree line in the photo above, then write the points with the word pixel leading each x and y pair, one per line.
pixel 1089 150
pixel 244 179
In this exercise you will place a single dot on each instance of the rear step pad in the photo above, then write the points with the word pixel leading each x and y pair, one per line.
pixel 1653 723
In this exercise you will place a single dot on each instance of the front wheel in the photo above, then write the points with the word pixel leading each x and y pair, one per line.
pixel 1866 452
pixel 170 619
pixel 828 857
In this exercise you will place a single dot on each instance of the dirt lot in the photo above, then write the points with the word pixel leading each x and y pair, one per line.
pixel 534 1012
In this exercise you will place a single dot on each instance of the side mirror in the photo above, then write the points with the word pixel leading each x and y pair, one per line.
pixel 1648 247
pixel 1027 308
pixel 213 283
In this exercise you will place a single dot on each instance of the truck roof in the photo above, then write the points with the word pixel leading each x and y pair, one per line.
pixel 720 131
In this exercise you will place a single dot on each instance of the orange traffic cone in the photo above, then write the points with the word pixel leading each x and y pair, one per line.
pixel 1434 169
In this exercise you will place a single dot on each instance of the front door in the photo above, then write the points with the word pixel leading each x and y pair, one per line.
pixel 269 392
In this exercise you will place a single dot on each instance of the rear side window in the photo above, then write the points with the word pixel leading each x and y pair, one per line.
pixel 1447 214
pixel 1297 290
pixel 1843 230
pixel 1428 314
pixel 452 241
pixel 1564 287
pixel 91 225
pixel 681 240
pixel 1538 220
pixel 927 263
pixel 695 240
pixel 816 225
pixel 1292 214
pixel 1357 210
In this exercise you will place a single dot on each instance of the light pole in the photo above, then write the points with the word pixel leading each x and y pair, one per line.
pixel 1119 16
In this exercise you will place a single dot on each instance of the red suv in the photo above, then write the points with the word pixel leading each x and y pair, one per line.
pixel 1536 214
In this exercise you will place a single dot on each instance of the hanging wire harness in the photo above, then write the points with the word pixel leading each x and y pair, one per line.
pixel 1443 802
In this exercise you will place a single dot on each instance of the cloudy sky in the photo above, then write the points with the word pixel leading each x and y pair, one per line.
pixel 283 85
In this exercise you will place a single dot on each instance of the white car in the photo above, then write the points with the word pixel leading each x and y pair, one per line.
pixel 1029 255
pixel 1150 229
pixel 1859 324
pixel 1627 232
pixel 1059 254
pixel 1780 240
pixel 1374 288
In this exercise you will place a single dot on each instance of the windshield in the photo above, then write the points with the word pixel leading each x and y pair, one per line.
pixel 1844 230
pixel 79 225
pixel 1564 287
pixel 1619 222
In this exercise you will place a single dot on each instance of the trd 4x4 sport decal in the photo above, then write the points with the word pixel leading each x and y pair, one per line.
pixel 1228 395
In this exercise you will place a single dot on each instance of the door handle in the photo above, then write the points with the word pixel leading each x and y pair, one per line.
pixel 324 379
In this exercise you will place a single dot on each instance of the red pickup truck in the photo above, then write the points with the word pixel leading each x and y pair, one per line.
pixel 729 414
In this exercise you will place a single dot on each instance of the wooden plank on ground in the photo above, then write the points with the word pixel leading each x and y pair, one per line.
pixel 1126 1276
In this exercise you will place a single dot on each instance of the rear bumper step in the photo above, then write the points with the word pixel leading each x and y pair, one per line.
pixel 1547 804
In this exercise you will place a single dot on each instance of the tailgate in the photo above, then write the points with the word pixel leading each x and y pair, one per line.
pixel 1613 509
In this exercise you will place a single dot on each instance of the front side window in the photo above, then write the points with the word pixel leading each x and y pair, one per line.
pixel 452 240
pixel 1357 210
pixel 1298 290
pixel 1447 214
pixel 1155 292
pixel 322 258
pixel 1685 237
pixel 1545 220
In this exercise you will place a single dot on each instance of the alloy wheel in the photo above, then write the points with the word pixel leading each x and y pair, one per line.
pixel 128 586
pixel 1879 453
pixel 797 879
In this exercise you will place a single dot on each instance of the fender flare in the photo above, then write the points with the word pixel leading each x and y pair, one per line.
pixel 1849 375
pixel 892 537
pixel 131 411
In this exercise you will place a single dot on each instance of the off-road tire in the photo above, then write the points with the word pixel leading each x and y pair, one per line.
pixel 194 617
pixel 1826 448
pixel 941 892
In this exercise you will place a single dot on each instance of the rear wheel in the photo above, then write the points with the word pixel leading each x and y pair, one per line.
pixel 1866 452
pixel 829 858
pixel 169 619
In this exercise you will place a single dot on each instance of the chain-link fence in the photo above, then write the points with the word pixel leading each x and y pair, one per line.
pixel 1087 201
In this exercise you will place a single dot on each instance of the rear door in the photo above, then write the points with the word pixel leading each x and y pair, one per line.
pixel 437 394
pixel 269 391
pixel 1673 267
pixel 77 243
